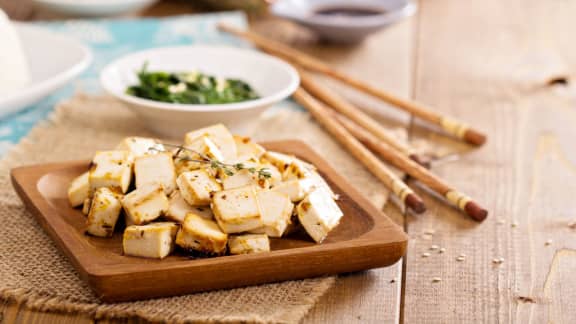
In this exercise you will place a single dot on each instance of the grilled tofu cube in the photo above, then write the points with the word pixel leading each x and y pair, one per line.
pixel 111 169
pixel 208 148
pixel 197 187
pixel 79 190
pixel 249 243
pixel 140 146
pixel 295 189
pixel 154 240
pixel 319 214
pixel 275 175
pixel 182 165
pixel 218 134
pixel 244 178
pixel 104 212
pixel 319 182
pixel 86 206
pixel 275 212
pixel 145 204
pixel 179 208
pixel 202 235
pixel 297 169
pixel 236 210
pixel 280 160
pixel 197 150
pixel 247 149
pixel 156 168
pixel 247 176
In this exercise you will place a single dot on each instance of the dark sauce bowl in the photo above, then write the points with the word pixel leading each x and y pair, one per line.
pixel 344 21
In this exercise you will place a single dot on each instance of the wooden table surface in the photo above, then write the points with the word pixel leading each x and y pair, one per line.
pixel 489 62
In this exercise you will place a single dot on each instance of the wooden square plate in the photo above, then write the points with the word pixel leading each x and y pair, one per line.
pixel 366 238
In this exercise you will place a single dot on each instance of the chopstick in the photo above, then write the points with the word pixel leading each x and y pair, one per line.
pixel 338 103
pixel 361 153
pixel 452 126
pixel 457 198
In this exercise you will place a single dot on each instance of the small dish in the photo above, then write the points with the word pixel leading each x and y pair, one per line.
pixel 366 238
pixel 344 21
pixel 53 59
pixel 272 78
pixel 93 8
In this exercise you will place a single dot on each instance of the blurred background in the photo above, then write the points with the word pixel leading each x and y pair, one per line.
pixel 333 21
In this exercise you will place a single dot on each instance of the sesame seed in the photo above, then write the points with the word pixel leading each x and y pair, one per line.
pixel 442 250
pixel 514 224
pixel 429 232
pixel 434 247
pixel 548 242
pixel 460 258
pixel 425 254
pixel 497 260
pixel 501 221
pixel 436 279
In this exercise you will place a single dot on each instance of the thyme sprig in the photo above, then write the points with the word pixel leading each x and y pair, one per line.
pixel 228 169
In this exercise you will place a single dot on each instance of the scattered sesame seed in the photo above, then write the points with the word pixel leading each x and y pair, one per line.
pixel 425 254
pixel 442 250
pixel 434 247
pixel 497 260
pixel 462 255
pixel 501 221
pixel 548 242
pixel 436 279
pixel 429 232
pixel 572 225
pixel 514 224
pixel 460 258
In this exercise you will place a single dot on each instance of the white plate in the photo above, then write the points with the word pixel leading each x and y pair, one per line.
pixel 93 8
pixel 53 59
pixel 272 78
pixel 343 29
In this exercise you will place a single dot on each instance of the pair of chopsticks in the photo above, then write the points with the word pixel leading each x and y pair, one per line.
pixel 356 131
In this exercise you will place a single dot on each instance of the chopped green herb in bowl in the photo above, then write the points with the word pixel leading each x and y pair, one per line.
pixel 190 88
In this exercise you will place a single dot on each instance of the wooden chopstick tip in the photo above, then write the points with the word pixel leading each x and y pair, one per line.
pixel 414 202
pixel 476 212
pixel 474 137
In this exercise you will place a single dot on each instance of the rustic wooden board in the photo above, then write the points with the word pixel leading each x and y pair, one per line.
pixel 488 61
pixel 366 238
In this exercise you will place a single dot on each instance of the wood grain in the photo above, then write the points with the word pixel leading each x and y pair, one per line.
pixel 490 61
pixel 384 59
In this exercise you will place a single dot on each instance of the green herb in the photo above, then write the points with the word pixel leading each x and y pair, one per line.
pixel 228 169
pixel 189 88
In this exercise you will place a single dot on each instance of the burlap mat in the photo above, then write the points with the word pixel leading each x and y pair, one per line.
pixel 32 270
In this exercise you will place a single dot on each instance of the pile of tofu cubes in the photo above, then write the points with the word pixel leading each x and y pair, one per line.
pixel 170 199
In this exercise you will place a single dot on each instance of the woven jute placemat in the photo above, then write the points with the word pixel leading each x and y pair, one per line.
pixel 35 273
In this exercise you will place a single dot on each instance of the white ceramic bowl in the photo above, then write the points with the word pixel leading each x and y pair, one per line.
pixel 93 8
pixel 272 78
pixel 343 29
pixel 53 59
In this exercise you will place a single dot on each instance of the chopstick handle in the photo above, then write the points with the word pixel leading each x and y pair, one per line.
pixel 338 103
pixel 452 126
pixel 457 198
pixel 361 153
